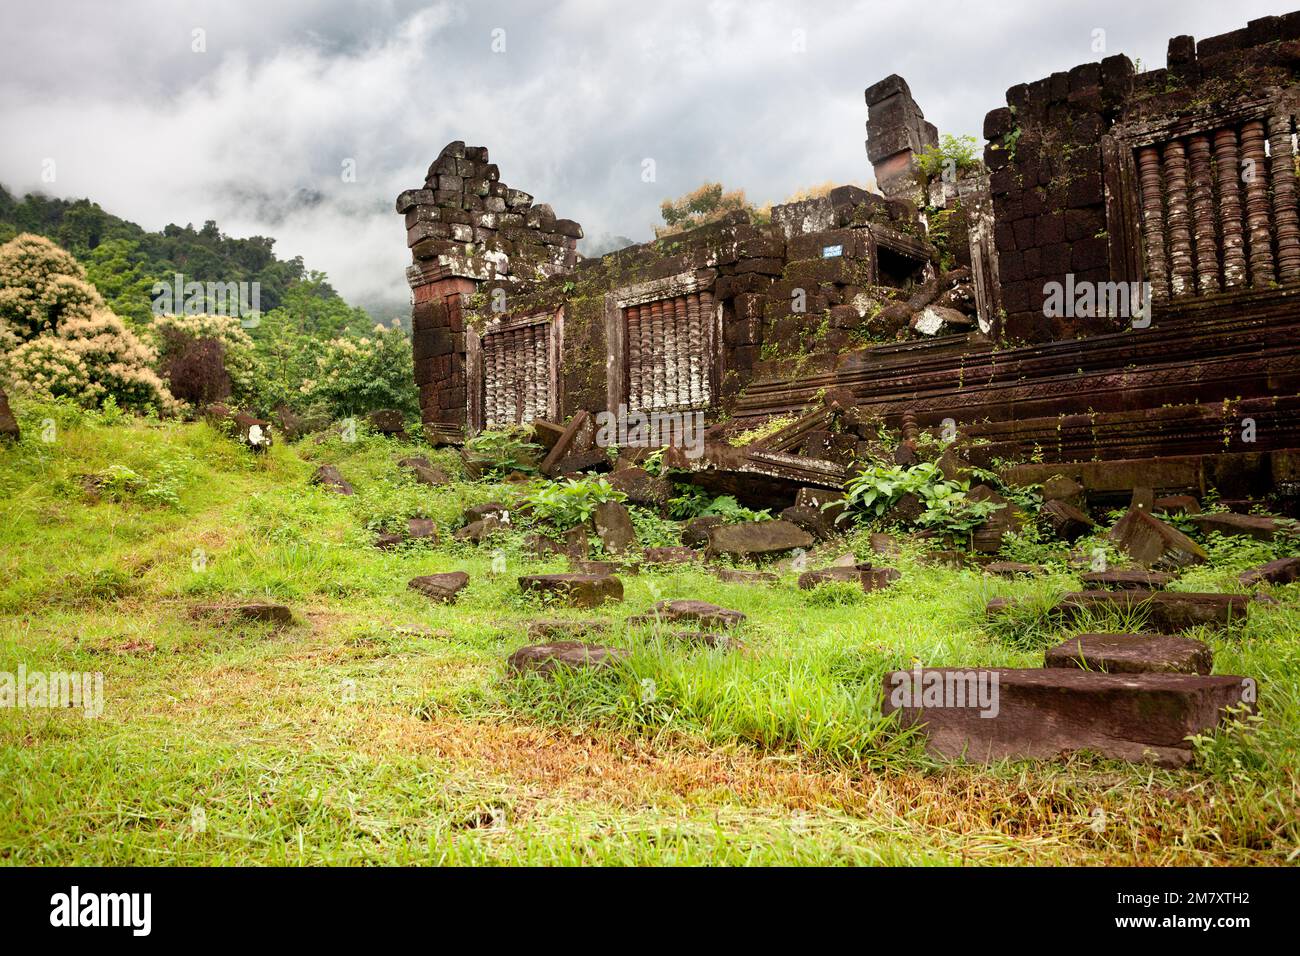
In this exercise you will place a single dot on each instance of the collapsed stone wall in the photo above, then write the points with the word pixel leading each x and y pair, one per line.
pixel 1069 200
pixel 509 321
pixel 465 226
pixel 746 319
pixel 733 299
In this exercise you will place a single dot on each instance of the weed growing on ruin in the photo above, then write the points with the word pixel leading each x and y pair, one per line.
pixel 573 501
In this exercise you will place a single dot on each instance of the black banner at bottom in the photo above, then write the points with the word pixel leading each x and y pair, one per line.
pixel 336 905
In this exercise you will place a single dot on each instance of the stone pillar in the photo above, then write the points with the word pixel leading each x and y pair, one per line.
pixel 896 132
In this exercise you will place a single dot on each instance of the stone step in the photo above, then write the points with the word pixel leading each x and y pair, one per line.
pixel 1131 654
pixel 985 714
pixel 1166 610
pixel 1141 580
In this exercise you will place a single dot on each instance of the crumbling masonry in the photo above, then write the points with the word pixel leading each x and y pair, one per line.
pixel 1005 298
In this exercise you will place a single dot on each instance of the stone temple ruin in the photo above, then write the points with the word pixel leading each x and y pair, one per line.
pixel 1106 307
pixel 1114 295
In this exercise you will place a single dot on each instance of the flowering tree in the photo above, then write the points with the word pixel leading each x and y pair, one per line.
pixel 60 340
pixel 40 286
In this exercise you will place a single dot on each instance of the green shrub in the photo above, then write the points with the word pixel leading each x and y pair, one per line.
pixel 358 374
pixel 499 452
pixel 570 502
pixel 693 502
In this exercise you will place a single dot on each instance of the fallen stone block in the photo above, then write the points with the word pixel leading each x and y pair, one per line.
pixel 672 555
pixel 877 579
pixel 417 529
pixel 1281 571
pixel 1142 580
pixel 8 422
pixel 1010 569
pixel 443 588
pixel 1067 521
pixel 1165 610
pixel 488 509
pixel 424 472
pixel 811 579
pixel 1176 505
pixel 1009 518
pixel 1151 542
pixel 1259 527
pixel 829 503
pixel 578 590
pixel 882 543
pixel 732 576
pixel 813 520
pixel 331 479
pixel 388 421
pixel 1063 488
pixel 575 465
pixel 550 630
pixel 1132 654
pixel 613 525
pixel 259 611
pixel 546 658
pixel 564 444
pixel 641 487
pixel 986 714
pixel 247 429
pixel 695 533
pixel 752 540
pixel 999 605
pixel 477 531
pixel 604 568
pixel 701 612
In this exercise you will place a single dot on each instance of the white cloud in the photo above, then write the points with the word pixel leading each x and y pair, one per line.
pixel 252 133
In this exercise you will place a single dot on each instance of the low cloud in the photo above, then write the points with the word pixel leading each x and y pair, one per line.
pixel 255 131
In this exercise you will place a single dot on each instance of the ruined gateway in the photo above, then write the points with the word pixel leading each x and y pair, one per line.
pixel 942 298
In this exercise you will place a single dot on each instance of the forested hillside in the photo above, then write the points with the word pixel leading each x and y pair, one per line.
pixel 123 260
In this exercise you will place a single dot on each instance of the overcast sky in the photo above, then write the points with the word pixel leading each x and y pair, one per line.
pixel 254 130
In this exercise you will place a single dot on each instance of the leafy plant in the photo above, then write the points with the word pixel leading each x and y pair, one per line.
pixel 570 502
pixel 693 502
pixel 877 488
pixel 956 153
pixel 501 451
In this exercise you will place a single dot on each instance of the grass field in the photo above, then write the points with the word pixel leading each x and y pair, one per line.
pixel 383 729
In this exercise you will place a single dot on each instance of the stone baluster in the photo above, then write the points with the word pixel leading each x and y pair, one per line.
pixel 1285 214
pixel 1151 180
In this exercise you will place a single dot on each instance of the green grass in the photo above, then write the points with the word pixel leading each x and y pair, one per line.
pixel 381 728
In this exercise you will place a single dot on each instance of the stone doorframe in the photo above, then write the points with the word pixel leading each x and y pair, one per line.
pixel 475 414
pixel 684 283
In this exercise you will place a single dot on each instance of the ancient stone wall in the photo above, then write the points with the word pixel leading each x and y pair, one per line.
pixel 464 227
pixel 1107 175
pixel 510 324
